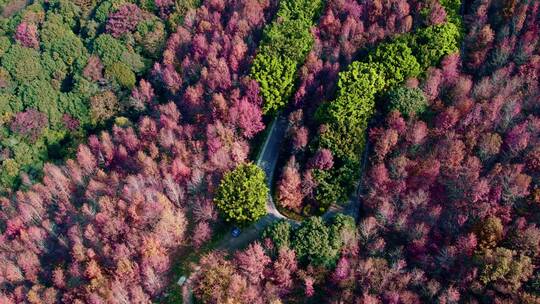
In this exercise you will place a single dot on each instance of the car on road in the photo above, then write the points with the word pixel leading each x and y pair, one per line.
pixel 236 232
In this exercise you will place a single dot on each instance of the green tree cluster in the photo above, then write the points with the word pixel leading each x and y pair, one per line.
pixel 452 8
pixel 242 194
pixel 57 77
pixel 315 241
pixel 285 45
pixel 346 118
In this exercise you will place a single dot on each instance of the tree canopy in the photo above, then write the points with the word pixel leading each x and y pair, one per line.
pixel 242 194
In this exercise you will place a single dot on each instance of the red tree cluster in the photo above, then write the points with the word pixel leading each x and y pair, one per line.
pixel 450 209
pixel 451 194
pixel 204 66
pixel 101 228
pixel 251 277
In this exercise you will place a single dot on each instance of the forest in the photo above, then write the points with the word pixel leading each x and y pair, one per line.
pixel 269 151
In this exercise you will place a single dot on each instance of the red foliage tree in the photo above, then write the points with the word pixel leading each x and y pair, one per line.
pixel 322 160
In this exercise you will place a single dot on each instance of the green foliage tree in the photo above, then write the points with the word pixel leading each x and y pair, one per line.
pixel 329 190
pixel 432 43
pixel 452 8
pixel 408 101
pixel 356 91
pixel 5 43
pixel 280 233
pixel 122 74
pixel 10 171
pixel 71 50
pixel 68 11
pixel 6 82
pixel 109 49
pixel 135 62
pixel 342 231
pixel 276 79
pixel 102 11
pixel 52 29
pixel 303 10
pixel 55 67
pixel 40 95
pixel 242 194
pixel 289 38
pixel 22 63
pixel 396 61
pixel 76 105
pixel 285 45
pixel 312 243
pixel 10 104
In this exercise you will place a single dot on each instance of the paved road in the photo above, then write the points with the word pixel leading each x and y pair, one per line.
pixel 269 155
pixel 267 160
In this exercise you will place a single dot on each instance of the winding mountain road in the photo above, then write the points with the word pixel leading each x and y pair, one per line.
pixel 267 160
pixel 268 157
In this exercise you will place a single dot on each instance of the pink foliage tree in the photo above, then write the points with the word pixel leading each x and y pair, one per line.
pixel 27 35
pixel 289 187
pixel 124 20
pixel 29 123
pixel 322 160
